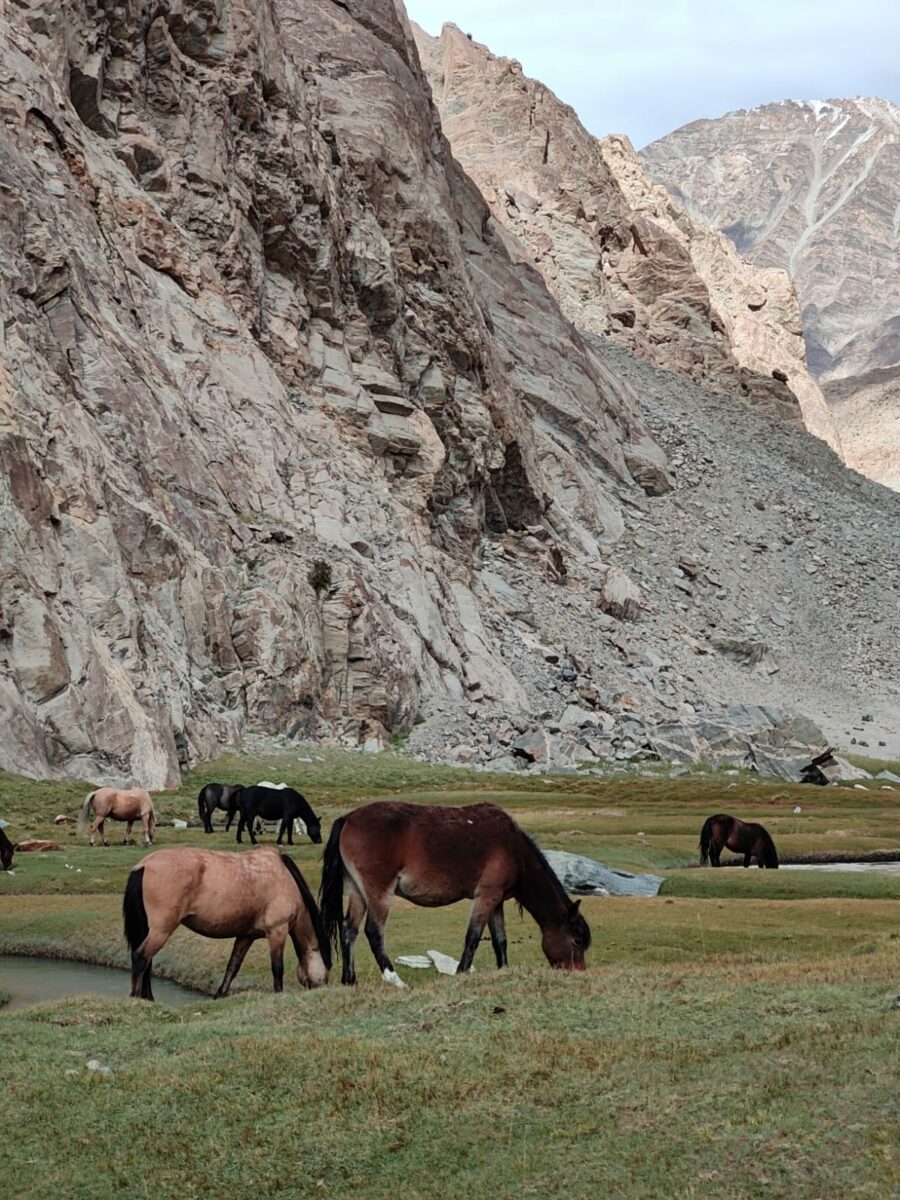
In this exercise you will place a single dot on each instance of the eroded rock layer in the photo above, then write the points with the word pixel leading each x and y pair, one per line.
pixel 253 316
pixel 619 255
pixel 813 186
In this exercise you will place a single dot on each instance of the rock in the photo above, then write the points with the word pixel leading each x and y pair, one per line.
pixel 625 259
pixel 585 876
pixel 531 747
pixel 443 963
pixel 749 173
pixel 620 597
pixel 37 846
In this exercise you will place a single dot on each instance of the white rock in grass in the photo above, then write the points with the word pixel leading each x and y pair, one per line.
pixel 419 961
pixel 443 962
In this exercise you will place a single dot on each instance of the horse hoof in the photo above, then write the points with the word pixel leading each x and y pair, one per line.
pixel 393 978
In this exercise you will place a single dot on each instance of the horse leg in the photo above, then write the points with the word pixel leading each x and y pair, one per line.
pixel 142 963
pixel 482 908
pixel 376 919
pixel 97 826
pixel 277 937
pixel 715 851
pixel 238 954
pixel 240 828
pixel 281 830
pixel 127 833
pixel 747 857
pixel 497 927
pixel 356 911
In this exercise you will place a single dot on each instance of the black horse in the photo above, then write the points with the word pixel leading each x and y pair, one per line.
pixel 276 804
pixel 218 795
pixel 751 840
pixel 6 851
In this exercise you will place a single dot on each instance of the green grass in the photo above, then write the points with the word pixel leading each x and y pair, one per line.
pixel 734 1036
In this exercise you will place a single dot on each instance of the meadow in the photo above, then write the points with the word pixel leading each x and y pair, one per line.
pixel 735 1036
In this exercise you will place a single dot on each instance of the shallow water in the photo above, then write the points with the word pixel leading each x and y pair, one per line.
pixel 878 868
pixel 39 980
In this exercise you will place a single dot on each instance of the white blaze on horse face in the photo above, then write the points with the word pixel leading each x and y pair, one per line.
pixel 392 977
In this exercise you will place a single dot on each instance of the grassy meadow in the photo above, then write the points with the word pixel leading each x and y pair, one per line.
pixel 735 1036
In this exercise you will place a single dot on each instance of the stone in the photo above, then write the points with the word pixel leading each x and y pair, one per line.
pixel 586 877
pixel 620 597
pixel 531 747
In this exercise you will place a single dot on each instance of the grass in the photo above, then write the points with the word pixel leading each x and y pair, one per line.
pixel 735 1036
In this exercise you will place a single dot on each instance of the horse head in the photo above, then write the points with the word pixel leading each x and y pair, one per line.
pixel 565 941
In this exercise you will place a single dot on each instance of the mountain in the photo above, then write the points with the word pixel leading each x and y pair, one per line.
pixel 620 256
pixel 813 187
pixel 253 317
pixel 295 438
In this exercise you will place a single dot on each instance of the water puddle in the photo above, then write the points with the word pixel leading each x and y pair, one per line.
pixel 878 868
pixel 39 980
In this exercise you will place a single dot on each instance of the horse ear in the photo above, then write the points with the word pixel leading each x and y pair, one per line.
pixel 574 907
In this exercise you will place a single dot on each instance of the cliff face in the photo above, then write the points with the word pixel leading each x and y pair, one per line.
pixel 252 316
pixel 812 187
pixel 619 255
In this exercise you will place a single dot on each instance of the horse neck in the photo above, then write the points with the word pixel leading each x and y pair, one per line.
pixel 538 890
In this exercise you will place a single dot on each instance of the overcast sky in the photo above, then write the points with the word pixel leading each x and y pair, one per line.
pixel 646 70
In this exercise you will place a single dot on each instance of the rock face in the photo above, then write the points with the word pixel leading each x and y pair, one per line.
pixel 253 315
pixel 586 877
pixel 619 255
pixel 812 186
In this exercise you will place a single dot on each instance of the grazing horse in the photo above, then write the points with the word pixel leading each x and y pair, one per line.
pixel 753 841
pixel 224 895
pixel 118 805
pixel 276 804
pixel 6 851
pixel 436 856
pixel 217 795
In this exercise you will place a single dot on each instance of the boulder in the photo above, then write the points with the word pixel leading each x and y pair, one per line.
pixel 587 877
pixel 620 597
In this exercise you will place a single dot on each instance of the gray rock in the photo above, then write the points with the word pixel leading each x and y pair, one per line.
pixel 586 876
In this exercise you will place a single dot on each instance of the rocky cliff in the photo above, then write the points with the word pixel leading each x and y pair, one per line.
pixel 813 187
pixel 619 255
pixel 254 316
pixel 295 439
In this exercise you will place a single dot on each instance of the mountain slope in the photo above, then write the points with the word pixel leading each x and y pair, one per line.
pixel 252 317
pixel 813 187
pixel 619 255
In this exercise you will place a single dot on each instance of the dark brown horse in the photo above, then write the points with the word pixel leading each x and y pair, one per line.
pixel 436 856
pixel 6 851
pixel 724 832
pixel 222 895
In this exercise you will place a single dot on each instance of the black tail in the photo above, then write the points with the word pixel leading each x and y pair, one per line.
pixel 705 840
pixel 201 806
pixel 312 908
pixel 133 912
pixel 331 893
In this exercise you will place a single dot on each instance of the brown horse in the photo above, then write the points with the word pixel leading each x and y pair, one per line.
pixel 436 856
pixel 6 852
pixel 118 805
pixel 223 895
pixel 751 840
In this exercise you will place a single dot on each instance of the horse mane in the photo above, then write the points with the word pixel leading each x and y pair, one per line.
pixel 311 907
pixel 771 855
pixel 551 878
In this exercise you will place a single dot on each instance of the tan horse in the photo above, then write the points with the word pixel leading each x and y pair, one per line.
pixel 223 895
pixel 118 805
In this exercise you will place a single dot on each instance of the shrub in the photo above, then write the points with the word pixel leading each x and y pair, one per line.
pixel 320 576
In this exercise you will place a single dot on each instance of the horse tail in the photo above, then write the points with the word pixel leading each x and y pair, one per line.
pixel 705 840
pixel 134 914
pixel 201 805
pixel 312 908
pixel 84 817
pixel 331 893
pixel 151 824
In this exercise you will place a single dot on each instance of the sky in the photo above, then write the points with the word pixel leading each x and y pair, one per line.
pixel 647 69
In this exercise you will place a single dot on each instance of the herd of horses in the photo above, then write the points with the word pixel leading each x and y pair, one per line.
pixel 432 856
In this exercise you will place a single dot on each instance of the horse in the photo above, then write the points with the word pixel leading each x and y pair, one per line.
pixel 282 804
pixel 220 894
pixel 119 805
pixel 217 795
pixel 435 856
pixel 7 850
pixel 751 840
